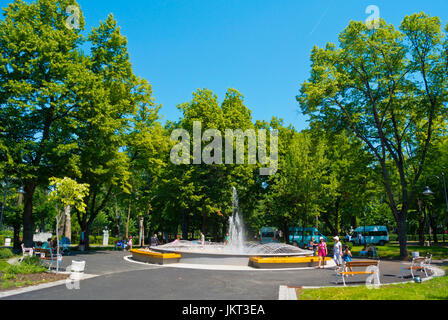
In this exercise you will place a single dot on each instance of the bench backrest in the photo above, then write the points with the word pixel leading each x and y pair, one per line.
pixel 47 252
pixel 422 260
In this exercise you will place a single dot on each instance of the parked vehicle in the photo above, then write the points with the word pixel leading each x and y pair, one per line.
pixel 378 235
pixel 268 235
pixel 300 236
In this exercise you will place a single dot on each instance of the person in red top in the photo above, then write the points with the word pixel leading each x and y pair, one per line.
pixel 322 252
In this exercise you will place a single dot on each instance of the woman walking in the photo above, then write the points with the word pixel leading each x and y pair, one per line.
pixel 322 252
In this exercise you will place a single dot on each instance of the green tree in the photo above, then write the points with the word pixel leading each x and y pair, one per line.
pixel 389 87
pixel 67 193
pixel 39 73
pixel 117 106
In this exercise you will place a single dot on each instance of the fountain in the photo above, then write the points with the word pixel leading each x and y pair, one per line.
pixel 237 252
pixel 236 227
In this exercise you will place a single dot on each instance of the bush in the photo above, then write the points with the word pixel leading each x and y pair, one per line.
pixel 6 253
pixel 32 261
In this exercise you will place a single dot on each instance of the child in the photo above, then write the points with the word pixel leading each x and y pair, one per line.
pixel 347 257
pixel 322 251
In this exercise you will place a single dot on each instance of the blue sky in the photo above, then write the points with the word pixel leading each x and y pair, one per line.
pixel 259 47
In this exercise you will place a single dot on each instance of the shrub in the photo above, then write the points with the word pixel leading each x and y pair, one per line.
pixel 27 266
pixel 32 261
pixel 6 253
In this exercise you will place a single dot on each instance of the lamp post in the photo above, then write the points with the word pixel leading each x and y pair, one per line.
pixel 428 192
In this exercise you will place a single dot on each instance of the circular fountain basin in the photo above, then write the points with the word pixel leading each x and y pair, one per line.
pixel 219 254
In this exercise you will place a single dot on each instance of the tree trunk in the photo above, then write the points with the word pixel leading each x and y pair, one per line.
pixel 327 222
pixel 67 223
pixel 184 225
pixel 129 218
pixel 286 231
pixel 28 225
pixel 402 235
pixel 215 230
pixel 433 224
pixel 204 223
pixel 16 237
pixel 338 219
pixel 421 223
pixel 117 218
pixel 141 239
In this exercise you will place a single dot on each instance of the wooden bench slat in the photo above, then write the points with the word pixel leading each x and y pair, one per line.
pixel 357 272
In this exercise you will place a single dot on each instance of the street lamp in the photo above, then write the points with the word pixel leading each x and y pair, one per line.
pixel 428 192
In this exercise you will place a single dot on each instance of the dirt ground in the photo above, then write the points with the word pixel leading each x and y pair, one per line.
pixel 26 280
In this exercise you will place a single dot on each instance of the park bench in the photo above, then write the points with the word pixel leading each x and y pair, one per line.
pixel 26 251
pixel 48 256
pixel 371 267
pixel 422 264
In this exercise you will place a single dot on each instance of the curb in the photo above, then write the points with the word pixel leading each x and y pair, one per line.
pixel 287 293
pixel 41 286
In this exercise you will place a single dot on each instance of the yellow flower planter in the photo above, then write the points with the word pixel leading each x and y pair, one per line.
pixel 284 262
pixel 155 257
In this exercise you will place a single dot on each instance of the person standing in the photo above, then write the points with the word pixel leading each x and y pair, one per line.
pixel 347 257
pixel 322 252
pixel 337 251
pixel 313 246
pixel 227 239
pixel 130 243
pixel 155 241
pixel 202 239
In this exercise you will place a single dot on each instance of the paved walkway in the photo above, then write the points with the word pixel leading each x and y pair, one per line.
pixel 119 279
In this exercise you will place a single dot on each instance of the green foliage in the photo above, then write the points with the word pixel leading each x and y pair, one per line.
pixel 69 193
pixel 27 266
pixel 71 106
pixel 388 87
pixel 6 253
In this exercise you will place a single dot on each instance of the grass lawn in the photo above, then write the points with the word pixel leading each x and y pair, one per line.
pixel 392 251
pixel 24 274
pixel 435 289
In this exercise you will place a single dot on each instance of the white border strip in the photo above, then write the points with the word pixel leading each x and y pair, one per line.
pixel 14 292
pixel 286 293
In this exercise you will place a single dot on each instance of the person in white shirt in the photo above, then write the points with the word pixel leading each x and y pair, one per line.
pixel 337 251
pixel 202 239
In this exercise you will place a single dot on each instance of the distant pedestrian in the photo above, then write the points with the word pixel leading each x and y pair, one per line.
pixel 227 239
pixel 322 252
pixel 313 246
pixel 202 239
pixel 337 251
pixel 155 241
pixel 130 243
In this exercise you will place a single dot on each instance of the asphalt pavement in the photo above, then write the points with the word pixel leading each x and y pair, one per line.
pixel 118 279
